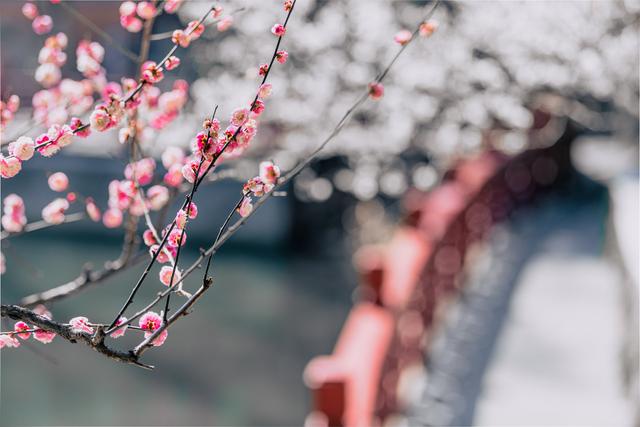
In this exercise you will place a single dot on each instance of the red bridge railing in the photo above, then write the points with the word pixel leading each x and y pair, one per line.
pixel 409 282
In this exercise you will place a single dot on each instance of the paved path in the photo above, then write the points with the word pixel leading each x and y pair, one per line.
pixel 536 337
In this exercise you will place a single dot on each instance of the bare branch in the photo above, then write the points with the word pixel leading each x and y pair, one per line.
pixel 95 341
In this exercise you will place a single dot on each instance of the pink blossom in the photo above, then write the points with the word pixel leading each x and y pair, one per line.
pixel 54 212
pixel 3 264
pixel 150 322
pixel 170 6
pixel 263 69
pixel 181 219
pixel 428 28
pixel 112 218
pixel 193 210
pixel 60 135
pixel 12 224
pixel 21 326
pixel 163 256
pixel 265 91
pixel 142 170
pixel 42 24
pixel 258 107
pixel 9 166
pixel 278 30
pixel 181 38
pixel 245 208
pixel 173 177
pixel 160 339
pixel 29 10
pixel 157 196
pixel 75 124
pixel 45 337
pixel 165 275
pixel 92 210
pixel 194 29
pixel 376 90
pixel 403 37
pixel 120 331
pixel 45 146
pixel 149 238
pixel 80 324
pixel 177 237
pixel 255 186
pixel 239 116
pixel 146 10
pixel 58 181
pixel 151 72
pixel 100 120
pixel 189 169
pixel 269 172
pixel 281 56
pixel 8 341
pixel 22 148
pixel 225 23
pixel 127 8
pixel 172 156
pixel 172 63
pixel 48 74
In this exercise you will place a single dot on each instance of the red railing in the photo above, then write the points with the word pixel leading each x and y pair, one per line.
pixel 408 282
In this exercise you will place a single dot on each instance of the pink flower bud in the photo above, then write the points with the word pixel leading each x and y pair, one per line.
pixel 29 10
pixel 92 210
pixel 112 218
pixel 281 56
pixel 58 181
pixel 403 37
pixel 278 30
pixel 42 24
pixel 245 208
pixel 376 90
pixel 428 28
pixel 146 10
pixel 224 24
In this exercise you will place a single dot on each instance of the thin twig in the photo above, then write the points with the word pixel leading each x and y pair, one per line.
pixel 42 224
pixel 99 31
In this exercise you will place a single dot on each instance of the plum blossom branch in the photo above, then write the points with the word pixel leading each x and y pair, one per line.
pixel 39 225
pixel 221 239
pixel 95 341
pixel 278 30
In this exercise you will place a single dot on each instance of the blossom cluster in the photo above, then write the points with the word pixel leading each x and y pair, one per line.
pixel 13 217
pixel 51 58
pixel 24 331
pixel 41 24
pixel 149 322
pixel 258 186
pixel 8 110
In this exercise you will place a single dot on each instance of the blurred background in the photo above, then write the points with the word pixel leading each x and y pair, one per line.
pixel 464 253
